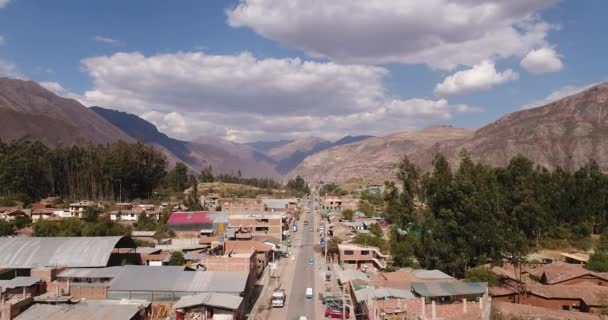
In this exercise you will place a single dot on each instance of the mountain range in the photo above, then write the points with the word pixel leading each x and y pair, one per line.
pixel 565 133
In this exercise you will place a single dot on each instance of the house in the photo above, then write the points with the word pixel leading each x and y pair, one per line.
pixel 262 251
pixel 14 214
pixel 574 258
pixel 568 274
pixel 232 262
pixel 332 203
pixel 258 226
pixel 169 284
pixel 76 209
pixel 210 201
pixel 361 257
pixel 242 204
pixel 132 215
pixel 31 286
pixel 280 205
pixel 101 309
pixel 87 283
pixel 449 291
pixel 190 224
pixel 404 277
pixel 208 306
pixel 505 310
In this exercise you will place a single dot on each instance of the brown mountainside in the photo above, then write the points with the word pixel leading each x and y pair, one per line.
pixel 30 112
pixel 565 133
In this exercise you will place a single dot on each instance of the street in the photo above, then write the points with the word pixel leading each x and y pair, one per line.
pixel 304 276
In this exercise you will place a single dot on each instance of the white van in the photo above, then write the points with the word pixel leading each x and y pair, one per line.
pixel 308 293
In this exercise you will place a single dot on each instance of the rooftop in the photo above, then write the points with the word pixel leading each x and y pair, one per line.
pixel 59 251
pixel 86 310
pixel 109 272
pixel 448 289
pixel 19 282
pixel 526 312
pixel 591 295
pixel 558 272
pixel 144 278
pixel 219 300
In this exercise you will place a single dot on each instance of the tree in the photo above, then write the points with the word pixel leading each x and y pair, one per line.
pixel 177 259
pixel 481 274
pixel 177 179
pixel 91 214
pixel 6 228
pixel 206 175
pixel 347 214
pixel 145 223
pixel 376 230
pixel 370 240
pixel 298 186
pixel 401 249
pixel 598 262
pixel 332 246
pixel 22 222
pixel 366 208
pixel 193 201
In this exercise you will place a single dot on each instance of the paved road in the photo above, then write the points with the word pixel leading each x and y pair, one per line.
pixel 304 276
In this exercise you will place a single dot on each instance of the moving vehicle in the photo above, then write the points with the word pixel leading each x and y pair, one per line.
pixel 295 227
pixel 311 260
pixel 305 222
pixel 302 318
pixel 308 293
pixel 278 298
pixel 336 313
pixel 311 229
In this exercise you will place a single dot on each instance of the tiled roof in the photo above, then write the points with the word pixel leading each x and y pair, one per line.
pixel 526 312
pixel 189 218
pixel 591 295
pixel 559 272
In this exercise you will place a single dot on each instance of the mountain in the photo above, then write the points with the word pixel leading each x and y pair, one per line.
pixel 224 156
pixel 376 157
pixel 29 112
pixel 266 146
pixel 566 133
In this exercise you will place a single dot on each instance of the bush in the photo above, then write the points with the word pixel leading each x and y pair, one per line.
pixel 557 232
pixel 347 214
pixel 177 259
pixel 481 274
pixel 598 262
pixel 581 230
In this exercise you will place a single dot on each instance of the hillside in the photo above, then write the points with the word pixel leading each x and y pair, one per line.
pixel 29 112
pixel 223 156
pixel 376 157
pixel 565 133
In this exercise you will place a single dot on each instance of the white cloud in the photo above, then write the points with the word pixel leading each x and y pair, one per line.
pixel 560 93
pixel 240 97
pixel 480 77
pixel 9 69
pixel 542 60
pixel 107 40
pixel 4 3
pixel 440 33
pixel 55 87
pixel 1 40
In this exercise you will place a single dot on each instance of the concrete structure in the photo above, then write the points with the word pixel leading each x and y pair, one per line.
pixel 195 224
pixel 258 225
pixel 104 309
pixel 210 201
pixel 133 215
pixel 76 209
pixel 361 257
pixel 450 291
pixel 281 205
pixel 210 306
pixel 332 203
pixel 234 205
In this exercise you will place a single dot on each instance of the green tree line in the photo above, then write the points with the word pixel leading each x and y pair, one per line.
pixel 110 172
pixel 457 219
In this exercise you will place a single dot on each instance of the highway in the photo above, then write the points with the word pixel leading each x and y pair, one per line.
pixel 304 276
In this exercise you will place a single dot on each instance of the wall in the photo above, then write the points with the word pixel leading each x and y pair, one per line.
pixel 87 292
pixel 556 304
pixel 586 280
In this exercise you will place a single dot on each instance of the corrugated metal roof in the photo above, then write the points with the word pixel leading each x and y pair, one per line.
pixel 431 274
pixel 447 289
pixel 89 310
pixel 381 293
pixel 144 278
pixel 219 300
pixel 350 274
pixel 19 282
pixel 276 203
pixel 58 251
pixel 137 233
pixel 109 272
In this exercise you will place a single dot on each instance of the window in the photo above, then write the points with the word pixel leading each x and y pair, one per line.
pixel 566 307
pixel 364 252
pixel 348 252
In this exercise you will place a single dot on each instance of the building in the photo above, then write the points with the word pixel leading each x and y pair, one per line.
pixel 200 223
pixel 449 291
pixel 14 214
pixel 332 203
pixel 132 215
pixel 209 306
pixel 361 257
pixel 242 204
pixel 76 209
pixel 211 201
pixel 404 277
pixel 281 205
pixel 568 274
pixel 262 250
pixel 258 226
pixel 87 283
pixel 103 309
pixel 169 284
pixel 505 310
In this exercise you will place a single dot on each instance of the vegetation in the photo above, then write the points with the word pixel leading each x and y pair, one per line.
pixel 74 227
pixel 459 219
pixel 371 240
pixel 598 261
pixel 112 172
pixel 481 274
pixel 177 259
pixel 376 230
pixel 298 186
pixel 347 214
pixel 332 189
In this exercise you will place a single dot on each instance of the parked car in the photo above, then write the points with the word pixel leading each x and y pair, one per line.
pixel 336 313
pixel 311 229
pixel 305 222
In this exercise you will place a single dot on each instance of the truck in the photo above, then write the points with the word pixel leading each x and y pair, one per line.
pixel 278 298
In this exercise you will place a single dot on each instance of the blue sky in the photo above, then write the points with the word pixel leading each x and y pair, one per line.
pixel 261 69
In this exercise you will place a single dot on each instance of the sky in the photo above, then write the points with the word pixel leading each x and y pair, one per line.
pixel 247 70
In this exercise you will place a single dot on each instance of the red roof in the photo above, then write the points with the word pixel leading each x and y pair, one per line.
pixel 189 218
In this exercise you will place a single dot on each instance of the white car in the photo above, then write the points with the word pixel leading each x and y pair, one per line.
pixel 308 293
pixel 302 318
